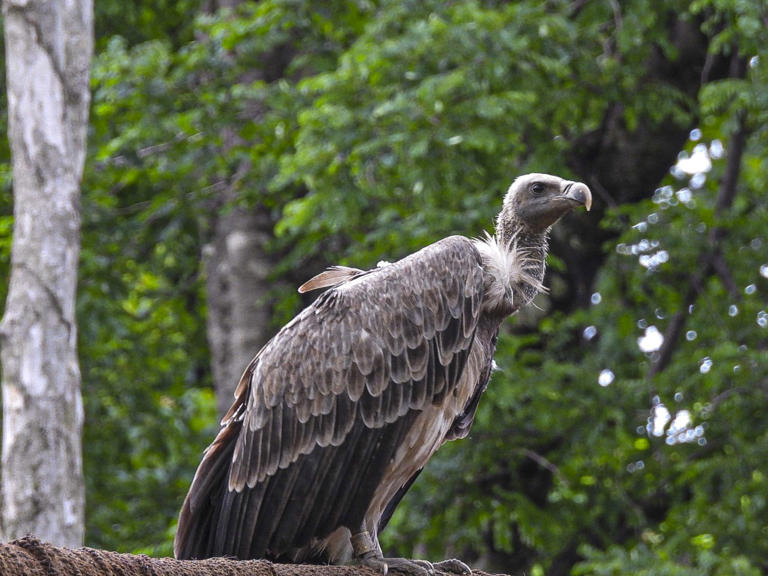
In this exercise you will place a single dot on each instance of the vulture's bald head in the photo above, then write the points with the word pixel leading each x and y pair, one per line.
pixel 534 202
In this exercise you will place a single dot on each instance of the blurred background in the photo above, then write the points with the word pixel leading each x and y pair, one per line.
pixel 236 148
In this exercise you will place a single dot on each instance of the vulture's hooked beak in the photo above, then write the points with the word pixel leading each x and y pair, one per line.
pixel 579 193
pixel 554 199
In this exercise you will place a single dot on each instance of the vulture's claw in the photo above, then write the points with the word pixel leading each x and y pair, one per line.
pixel 402 566
pixel 452 566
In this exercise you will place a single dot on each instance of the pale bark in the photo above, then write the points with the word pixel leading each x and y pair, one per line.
pixel 237 267
pixel 48 54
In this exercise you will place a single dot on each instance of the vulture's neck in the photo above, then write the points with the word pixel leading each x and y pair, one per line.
pixel 514 260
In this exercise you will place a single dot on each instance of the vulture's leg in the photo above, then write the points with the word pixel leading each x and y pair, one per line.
pixel 368 553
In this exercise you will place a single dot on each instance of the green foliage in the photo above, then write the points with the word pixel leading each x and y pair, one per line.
pixel 6 193
pixel 642 560
pixel 142 20
pixel 143 362
pixel 149 411
pixel 435 97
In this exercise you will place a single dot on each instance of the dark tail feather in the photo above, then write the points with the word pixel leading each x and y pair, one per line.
pixel 199 515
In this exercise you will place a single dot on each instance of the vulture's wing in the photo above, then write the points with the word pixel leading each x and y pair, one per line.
pixel 321 409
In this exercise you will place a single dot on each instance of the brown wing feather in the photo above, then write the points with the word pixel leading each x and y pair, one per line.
pixel 331 277
pixel 368 352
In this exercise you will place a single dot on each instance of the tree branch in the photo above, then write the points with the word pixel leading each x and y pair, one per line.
pixel 29 556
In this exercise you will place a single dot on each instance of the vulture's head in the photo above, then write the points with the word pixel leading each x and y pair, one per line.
pixel 535 202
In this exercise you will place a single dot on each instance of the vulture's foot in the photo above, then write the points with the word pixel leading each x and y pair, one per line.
pixel 452 566
pixel 408 567
pixel 403 566
pixel 368 553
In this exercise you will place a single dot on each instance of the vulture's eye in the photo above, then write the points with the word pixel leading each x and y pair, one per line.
pixel 537 187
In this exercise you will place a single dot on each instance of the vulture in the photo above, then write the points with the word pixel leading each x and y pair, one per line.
pixel 336 415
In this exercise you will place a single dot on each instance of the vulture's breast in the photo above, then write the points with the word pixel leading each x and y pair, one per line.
pixel 427 434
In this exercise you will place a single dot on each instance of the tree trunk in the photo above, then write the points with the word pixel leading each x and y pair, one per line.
pixel 237 264
pixel 237 267
pixel 48 54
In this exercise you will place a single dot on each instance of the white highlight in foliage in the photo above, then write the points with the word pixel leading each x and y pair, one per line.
pixel 698 162
pixel 681 422
pixel 653 261
pixel 606 377
pixel 659 419
pixel 716 149
pixel 507 268
pixel 651 341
